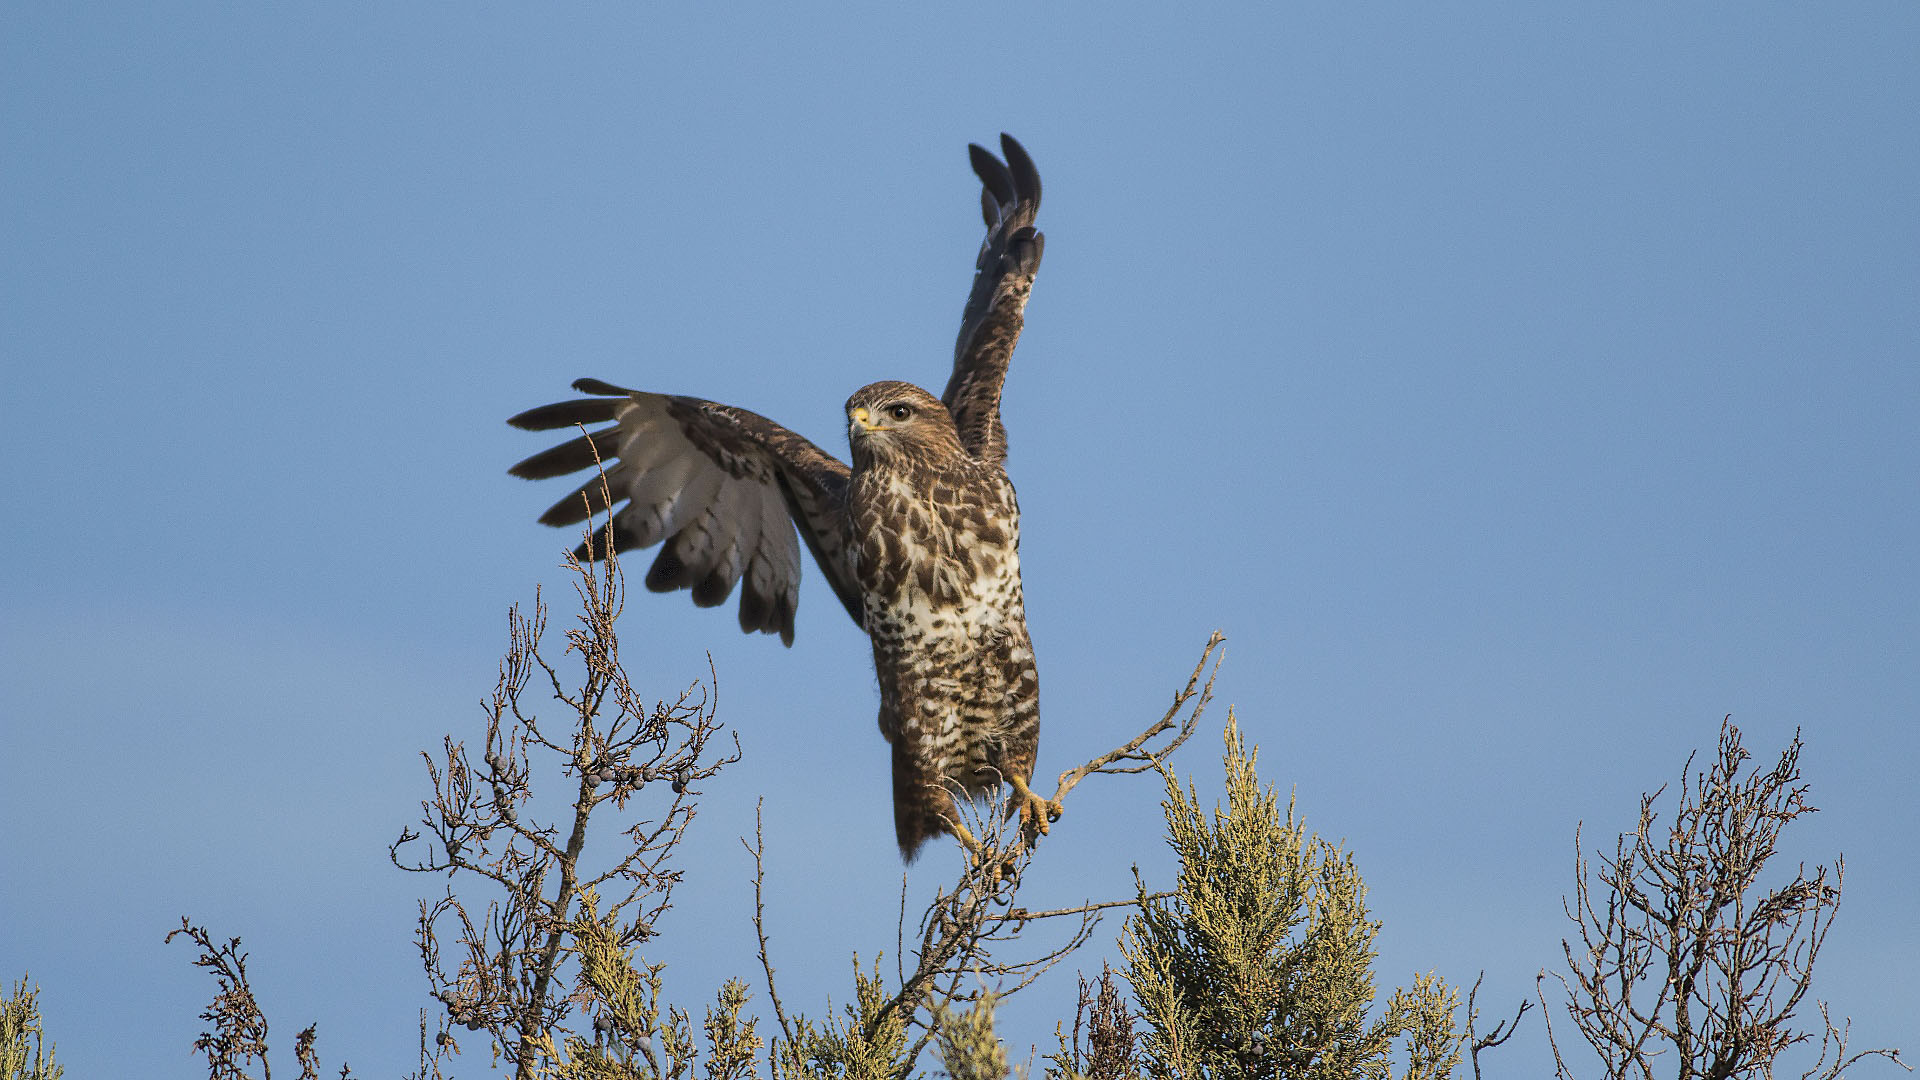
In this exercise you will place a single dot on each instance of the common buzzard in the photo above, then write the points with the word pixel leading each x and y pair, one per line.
pixel 920 538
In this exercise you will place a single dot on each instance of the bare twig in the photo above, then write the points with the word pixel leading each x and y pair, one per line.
pixel 760 931
pixel 1103 1043
pixel 1023 915
pixel 238 1035
pixel 1501 1032
pixel 1135 753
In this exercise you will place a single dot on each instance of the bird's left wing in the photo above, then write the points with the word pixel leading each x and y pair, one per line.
pixel 723 488
pixel 996 308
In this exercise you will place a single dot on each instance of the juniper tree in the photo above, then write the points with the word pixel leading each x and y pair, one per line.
pixel 25 1053
pixel 1260 964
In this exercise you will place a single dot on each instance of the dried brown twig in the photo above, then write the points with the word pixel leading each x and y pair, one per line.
pixel 238 1037
pixel 760 927
pixel 1103 1044
pixel 1681 958
pixel 1476 1041
pixel 1134 752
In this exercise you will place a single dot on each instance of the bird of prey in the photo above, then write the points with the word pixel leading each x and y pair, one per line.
pixel 919 538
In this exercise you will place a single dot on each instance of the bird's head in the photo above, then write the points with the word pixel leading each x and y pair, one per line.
pixel 889 421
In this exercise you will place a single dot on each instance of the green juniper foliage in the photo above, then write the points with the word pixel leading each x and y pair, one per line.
pixel 969 1050
pixel 24 1052
pixel 1259 966
pixel 634 1035
pixel 865 1046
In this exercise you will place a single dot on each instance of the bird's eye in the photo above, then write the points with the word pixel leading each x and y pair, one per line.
pixel 900 412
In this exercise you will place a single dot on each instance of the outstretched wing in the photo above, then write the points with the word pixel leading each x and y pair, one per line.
pixel 723 487
pixel 996 308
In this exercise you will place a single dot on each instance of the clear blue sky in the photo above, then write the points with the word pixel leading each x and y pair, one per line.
pixel 1520 387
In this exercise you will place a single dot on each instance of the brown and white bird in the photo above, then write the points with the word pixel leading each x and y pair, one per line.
pixel 920 538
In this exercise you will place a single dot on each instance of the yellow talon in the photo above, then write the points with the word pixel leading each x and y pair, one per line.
pixel 965 836
pixel 1036 813
pixel 979 856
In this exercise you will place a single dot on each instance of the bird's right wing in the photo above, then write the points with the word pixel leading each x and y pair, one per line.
pixel 722 487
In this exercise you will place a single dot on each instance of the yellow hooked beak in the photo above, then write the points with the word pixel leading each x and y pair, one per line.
pixel 862 420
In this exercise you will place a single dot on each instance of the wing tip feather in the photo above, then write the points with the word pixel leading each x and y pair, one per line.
pixel 993 173
pixel 713 589
pixel 595 447
pixel 604 389
pixel 564 414
pixel 782 618
pixel 1025 175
